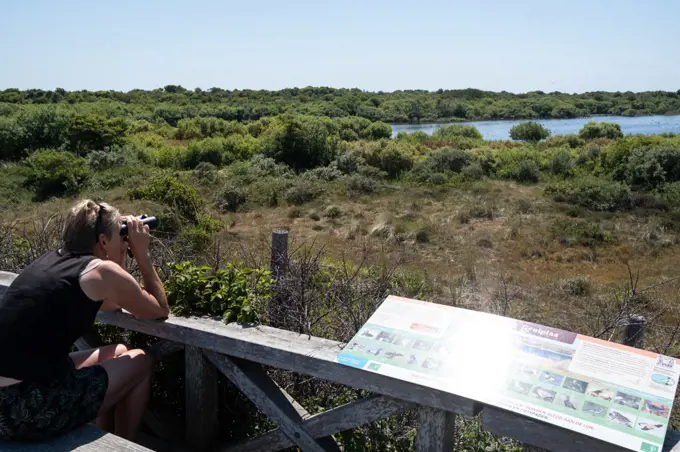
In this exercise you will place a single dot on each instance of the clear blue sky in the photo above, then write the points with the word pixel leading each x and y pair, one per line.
pixel 518 46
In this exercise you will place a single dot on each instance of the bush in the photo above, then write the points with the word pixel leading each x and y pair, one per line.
pixel 473 171
pixel 378 130
pixel 199 127
pixel 206 172
pixel 651 168
pixel 348 163
pixel 106 159
pixel 230 198
pixel 571 140
pixel 209 150
pixel 173 193
pixel 593 130
pixel 391 157
pixel 584 233
pixel 301 142
pixel 526 171
pixel 88 132
pixel 670 193
pixel 324 173
pixel 562 164
pixel 358 184
pixel 55 173
pixel 302 193
pixel 593 193
pixel 456 130
pixel 332 212
pixel 236 293
pixel 529 131
pixel 446 159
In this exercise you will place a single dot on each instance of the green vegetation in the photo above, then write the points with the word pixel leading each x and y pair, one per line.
pixel 510 227
pixel 529 131
pixel 175 105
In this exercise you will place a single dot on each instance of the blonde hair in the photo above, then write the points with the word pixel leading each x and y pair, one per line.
pixel 79 233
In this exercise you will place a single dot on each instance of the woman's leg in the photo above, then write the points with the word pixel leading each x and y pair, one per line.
pixel 86 358
pixel 128 390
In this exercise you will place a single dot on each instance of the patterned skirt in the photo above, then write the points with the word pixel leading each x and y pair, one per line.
pixel 38 411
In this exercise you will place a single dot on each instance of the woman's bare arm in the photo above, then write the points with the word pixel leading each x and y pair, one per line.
pixel 116 287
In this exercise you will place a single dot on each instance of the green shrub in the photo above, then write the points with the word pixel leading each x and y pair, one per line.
pixel 436 178
pixel 571 140
pixel 301 193
pixel 231 198
pixel 456 130
pixel 269 191
pixel 584 233
pixel 473 171
pixel 359 184
pixel 170 191
pixel 199 127
pixel 332 212
pixel 479 211
pixel 12 139
pixel 89 132
pixel 105 159
pixel 206 172
pixel 170 157
pixel 378 130
pixel 348 163
pixel 529 131
pixel 55 173
pixel 323 173
pixel 236 293
pixel 208 150
pixel 301 142
pixel 651 168
pixel 593 193
pixel 446 159
pixel 670 193
pixel 562 164
pixel 391 157
pixel 526 171
pixel 593 130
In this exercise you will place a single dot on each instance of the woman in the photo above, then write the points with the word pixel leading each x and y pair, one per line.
pixel 45 391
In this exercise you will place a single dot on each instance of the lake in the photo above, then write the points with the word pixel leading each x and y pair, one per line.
pixel 500 130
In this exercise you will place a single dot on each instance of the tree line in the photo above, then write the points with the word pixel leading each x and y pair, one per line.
pixel 173 102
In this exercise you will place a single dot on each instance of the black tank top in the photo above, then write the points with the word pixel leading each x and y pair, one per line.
pixel 42 314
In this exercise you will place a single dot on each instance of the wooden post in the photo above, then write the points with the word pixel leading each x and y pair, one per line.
pixel 634 335
pixel 202 427
pixel 279 263
pixel 435 430
pixel 279 253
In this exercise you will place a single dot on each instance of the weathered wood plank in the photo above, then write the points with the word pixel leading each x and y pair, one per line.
pixel 288 350
pixel 254 382
pixel 435 430
pixel 164 348
pixel 85 439
pixel 340 419
pixel 200 385
pixel 540 434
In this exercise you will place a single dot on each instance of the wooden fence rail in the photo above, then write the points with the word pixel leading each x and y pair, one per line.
pixel 240 351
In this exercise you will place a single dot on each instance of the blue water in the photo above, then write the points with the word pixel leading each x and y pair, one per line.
pixel 500 130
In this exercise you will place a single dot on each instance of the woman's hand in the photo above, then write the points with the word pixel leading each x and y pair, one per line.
pixel 138 237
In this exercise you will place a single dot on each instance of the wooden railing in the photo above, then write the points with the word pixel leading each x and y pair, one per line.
pixel 240 351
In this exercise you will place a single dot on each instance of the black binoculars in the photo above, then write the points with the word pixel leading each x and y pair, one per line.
pixel 152 222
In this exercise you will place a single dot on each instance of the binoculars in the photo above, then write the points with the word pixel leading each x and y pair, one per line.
pixel 152 222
